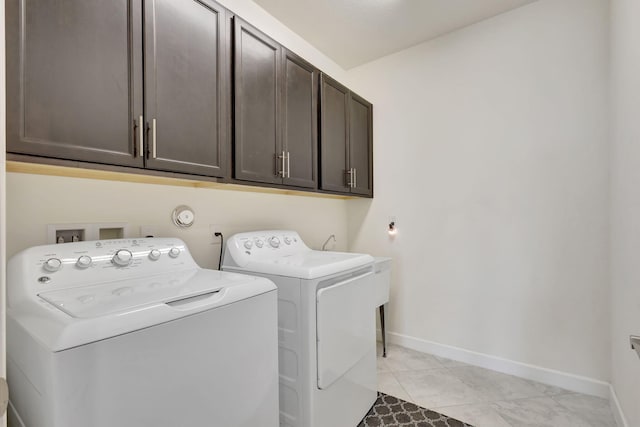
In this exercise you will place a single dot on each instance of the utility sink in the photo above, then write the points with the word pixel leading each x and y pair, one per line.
pixel 381 280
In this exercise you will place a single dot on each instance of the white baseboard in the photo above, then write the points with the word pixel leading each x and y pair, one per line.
pixel 616 409
pixel 552 377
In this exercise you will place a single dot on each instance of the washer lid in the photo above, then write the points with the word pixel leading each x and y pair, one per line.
pixel 309 265
pixel 124 296
pixel 69 318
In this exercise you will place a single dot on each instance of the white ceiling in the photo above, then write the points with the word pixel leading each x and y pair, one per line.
pixel 353 32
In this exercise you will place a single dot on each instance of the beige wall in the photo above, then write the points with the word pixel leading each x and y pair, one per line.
pixel 34 201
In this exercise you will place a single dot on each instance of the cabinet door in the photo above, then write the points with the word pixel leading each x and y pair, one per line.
pixel 186 79
pixel 74 79
pixel 257 134
pixel 334 116
pixel 299 120
pixel 361 144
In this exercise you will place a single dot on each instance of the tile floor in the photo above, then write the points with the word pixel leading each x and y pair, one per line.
pixel 482 397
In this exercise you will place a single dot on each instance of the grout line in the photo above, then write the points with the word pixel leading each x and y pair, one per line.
pixel 413 400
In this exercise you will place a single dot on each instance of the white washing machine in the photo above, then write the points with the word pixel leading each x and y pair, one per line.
pixel 326 322
pixel 133 333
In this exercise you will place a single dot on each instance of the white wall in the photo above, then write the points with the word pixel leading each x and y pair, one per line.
pixel 625 202
pixel 491 150
pixel 35 201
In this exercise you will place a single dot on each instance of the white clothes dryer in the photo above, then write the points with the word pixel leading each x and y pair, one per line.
pixel 326 322
pixel 133 333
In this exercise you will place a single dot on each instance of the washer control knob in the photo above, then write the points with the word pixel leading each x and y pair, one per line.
pixel 274 242
pixel 125 290
pixel 287 240
pixel 259 243
pixel 154 255
pixel 52 264
pixel 84 261
pixel 122 258
pixel 174 252
pixel 248 244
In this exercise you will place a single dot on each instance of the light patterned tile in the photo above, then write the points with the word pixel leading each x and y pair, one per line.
pixel 380 361
pixel 450 363
pixel 593 410
pixel 537 412
pixel 482 397
pixel 437 387
pixel 403 359
pixel 388 384
pixel 382 365
pixel 478 415
pixel 498 386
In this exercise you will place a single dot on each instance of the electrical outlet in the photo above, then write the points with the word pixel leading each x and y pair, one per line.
pixel 148 231
pixel 213 229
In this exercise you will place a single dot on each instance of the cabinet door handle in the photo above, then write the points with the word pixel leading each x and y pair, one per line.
pixel 153 139
pixel 355 177
pixel 288 165
pixel 284 164
pixel 140 136
pixel 283 171
pixel 349 174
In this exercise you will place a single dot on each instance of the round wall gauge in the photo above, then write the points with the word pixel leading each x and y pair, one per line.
pixel 183 216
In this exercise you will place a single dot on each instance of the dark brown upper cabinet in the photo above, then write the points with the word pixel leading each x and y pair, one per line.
pixel 346 140
pixel 361 145
pixel 74 79
pixel 257 134
pixel 186 76
pixel 275 115
pixel 164 85
pixel 299 121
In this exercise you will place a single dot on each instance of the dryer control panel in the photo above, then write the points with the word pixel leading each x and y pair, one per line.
pixel 283 253
pixel 243 248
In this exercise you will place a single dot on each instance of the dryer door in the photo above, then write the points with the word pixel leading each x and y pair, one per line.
pixel 345 326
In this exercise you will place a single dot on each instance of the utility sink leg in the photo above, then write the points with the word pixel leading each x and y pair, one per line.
pixel 384 335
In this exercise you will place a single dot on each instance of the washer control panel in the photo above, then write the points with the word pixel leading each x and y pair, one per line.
pixel 69 265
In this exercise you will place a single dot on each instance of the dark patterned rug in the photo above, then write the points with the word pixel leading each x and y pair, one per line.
pixel 391 411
